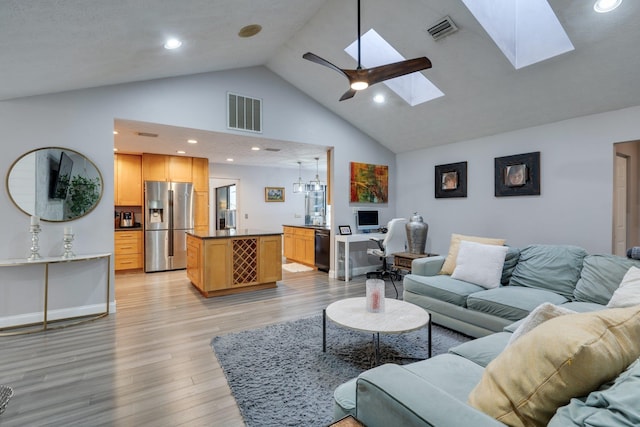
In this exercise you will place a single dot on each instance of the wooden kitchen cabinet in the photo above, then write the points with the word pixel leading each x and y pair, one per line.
pixel 128 250
pixel 159 167
pixel 200 174
pixel 127 180
pixel 201 211
pixel 299 245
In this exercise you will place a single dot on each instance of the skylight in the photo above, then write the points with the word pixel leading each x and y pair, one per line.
pixel 526 31
pixel 414 88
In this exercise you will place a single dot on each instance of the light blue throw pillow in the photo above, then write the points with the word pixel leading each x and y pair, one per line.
pixel 614 404
pixel 554 268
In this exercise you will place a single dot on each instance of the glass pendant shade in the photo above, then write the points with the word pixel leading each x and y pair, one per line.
pixel 299 186
pixel 316 184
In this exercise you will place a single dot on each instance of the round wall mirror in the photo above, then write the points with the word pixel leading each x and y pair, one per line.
pixel 56 184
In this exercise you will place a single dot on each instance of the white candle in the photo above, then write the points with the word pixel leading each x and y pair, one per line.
pixel 35 220
pixel 68 230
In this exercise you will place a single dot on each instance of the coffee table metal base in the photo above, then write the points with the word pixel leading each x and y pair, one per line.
pixel 414 323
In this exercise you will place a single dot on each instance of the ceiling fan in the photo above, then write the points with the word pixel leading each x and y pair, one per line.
pixel 362 78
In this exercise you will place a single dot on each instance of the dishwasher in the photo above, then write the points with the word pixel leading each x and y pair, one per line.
pixel 323 247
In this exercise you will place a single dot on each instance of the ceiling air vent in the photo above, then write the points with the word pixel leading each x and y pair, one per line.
pixel 442 28
pixel 147 134
pixel 244 113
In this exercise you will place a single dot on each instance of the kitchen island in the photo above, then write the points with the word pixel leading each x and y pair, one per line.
pixel 230 261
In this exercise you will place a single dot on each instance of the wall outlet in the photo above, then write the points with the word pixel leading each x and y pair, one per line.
pixel 355 210
pixel 297 215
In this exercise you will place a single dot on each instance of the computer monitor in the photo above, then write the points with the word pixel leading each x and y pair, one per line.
pixel 367 221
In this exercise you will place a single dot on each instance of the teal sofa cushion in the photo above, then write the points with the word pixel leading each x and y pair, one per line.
pixel 510 262
pixel 482 350
pixel 550 267
pixel 441 287
pixel 615 404
pixel 600 277
pixel 511 302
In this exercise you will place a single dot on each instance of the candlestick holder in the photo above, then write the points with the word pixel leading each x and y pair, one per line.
pixel 68 238
pixel 35 247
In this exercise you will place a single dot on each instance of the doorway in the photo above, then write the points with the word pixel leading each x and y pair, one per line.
pixel 626 197
pixel 226 207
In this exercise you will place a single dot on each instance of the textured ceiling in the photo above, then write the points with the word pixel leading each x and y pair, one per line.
pixel 53 46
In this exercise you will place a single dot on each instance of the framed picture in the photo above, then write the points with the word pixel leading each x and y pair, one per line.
pixel 369 183
pixel 344 230
pixel 274 194
pixel 451 180
pixel 518 175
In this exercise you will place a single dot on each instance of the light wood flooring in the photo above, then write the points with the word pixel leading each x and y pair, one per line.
pixel 150 364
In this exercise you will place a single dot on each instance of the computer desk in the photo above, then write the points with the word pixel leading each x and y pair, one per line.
pixel 346 240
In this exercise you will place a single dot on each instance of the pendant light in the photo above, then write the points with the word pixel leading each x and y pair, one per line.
pixel 299 187
pixel 316 184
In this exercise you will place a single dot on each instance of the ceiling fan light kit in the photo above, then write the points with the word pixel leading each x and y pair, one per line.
pixel 362 78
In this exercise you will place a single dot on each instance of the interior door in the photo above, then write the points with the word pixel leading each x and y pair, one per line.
pixel 620 205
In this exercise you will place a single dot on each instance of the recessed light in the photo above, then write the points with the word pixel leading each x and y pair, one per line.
pixel 255 148
pixel 604 6
pixel 379 98
pixel 181 152
pixel 229 159
pixel 172 44
pixel 192 141
pixel 250 30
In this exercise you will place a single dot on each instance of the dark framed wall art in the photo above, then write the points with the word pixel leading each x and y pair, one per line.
pixel 517 175
pixel 451 180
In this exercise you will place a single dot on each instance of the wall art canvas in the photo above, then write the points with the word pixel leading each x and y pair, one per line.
pixel 369 183
pixel 451 180
pixel 517 175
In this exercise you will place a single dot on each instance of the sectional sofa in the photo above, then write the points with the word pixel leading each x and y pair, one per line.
pixel 572 370
pixel 558 274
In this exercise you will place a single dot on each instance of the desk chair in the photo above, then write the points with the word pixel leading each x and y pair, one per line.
pixel 395 241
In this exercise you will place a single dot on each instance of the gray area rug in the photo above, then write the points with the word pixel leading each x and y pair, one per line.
pixel 279 375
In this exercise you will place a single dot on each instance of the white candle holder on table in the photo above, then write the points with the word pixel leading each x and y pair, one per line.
pixel 34 229
pixel 68 239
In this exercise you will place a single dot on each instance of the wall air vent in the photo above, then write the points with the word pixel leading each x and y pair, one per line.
pixel 244 113
pixel 275 150
pixel 442 28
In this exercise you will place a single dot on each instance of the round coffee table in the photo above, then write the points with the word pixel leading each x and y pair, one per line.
pixel 398 317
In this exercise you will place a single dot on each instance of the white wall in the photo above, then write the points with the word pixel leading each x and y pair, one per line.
pixel 575 205
pixel 252 180
pixel 83 120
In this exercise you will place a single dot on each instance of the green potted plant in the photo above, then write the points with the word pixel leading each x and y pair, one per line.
pixel 83 195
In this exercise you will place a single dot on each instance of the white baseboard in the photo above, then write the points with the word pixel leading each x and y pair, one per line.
pixel 64 313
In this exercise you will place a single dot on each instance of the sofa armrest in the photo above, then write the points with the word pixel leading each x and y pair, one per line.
pixel 392 395
pixel 428 266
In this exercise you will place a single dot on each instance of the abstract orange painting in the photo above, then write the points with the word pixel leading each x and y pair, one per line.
pixel 369 183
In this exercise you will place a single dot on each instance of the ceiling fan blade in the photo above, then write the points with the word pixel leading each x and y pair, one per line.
pixel 348 94
pixel 396 69
pixel 315 58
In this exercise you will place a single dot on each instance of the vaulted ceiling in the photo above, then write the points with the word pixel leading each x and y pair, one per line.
pixel 54 46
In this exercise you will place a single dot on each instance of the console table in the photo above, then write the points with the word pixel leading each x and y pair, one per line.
pixel 46 261
pixel 346 240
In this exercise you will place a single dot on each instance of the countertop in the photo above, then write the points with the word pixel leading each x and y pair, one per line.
pixel 225 234
pixel 314 227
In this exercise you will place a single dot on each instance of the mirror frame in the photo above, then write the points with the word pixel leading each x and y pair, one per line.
pixel 62 149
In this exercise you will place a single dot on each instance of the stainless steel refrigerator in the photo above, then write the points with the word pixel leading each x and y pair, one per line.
pixel 168 208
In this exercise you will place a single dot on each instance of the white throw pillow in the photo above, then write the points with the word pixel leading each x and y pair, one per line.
pixel 628 293
pixel 480 264
pixel 540 314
